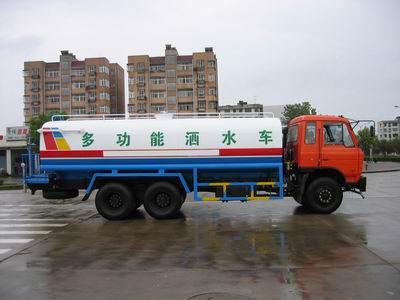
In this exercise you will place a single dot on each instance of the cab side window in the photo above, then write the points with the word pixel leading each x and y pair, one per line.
pixel 333 134
pixel 310 133
pixel 337 134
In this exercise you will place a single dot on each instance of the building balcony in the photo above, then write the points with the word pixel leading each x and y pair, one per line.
pixel 36 76
pixel 36 89
pixel 92 73
pixel 36 103
pixel 141 70
pixel 141 83
pixel 92 99
pixel 142 98
pixel 90 86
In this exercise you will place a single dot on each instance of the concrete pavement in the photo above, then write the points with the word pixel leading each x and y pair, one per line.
pixel 255 250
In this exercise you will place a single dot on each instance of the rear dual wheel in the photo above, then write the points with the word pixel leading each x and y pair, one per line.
pixel 115 201
pixel 163 200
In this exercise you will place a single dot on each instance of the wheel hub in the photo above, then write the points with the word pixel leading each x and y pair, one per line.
pixel 163 200
pixel 115 201
pixel 325 196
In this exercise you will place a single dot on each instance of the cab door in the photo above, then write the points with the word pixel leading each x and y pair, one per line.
pixel 338 150
pixel 309 146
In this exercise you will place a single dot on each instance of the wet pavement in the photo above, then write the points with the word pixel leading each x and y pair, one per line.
pixel 254 250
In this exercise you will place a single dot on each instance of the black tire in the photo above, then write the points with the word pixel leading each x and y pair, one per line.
pixel 183 196
pixel 162 200
pixel 60 194
pixel 323 196
pixel 114 201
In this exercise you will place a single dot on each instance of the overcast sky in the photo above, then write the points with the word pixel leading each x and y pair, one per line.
pixel 342 56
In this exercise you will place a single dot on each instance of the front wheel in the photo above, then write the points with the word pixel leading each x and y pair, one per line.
pixel 114 201
pixel 323 196
pixel 162 200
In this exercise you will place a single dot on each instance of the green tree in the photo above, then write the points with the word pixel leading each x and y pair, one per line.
pixel 365 140
pixel 298 109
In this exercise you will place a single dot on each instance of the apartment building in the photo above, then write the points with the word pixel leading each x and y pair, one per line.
pixel 389 129
pixel 72 86
pixel 173 83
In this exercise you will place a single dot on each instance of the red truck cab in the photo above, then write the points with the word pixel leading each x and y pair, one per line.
pixel 323 159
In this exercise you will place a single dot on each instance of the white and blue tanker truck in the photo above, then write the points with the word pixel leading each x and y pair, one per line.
pixel 156 160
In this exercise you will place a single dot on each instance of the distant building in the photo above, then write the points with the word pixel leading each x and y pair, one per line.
pixel 277 110
pixel 389 129
pixel 72 86
pixel 241 106
pixel 12 146
pixel 173 83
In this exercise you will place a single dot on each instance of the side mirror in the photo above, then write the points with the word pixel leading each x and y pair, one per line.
pixel 372 131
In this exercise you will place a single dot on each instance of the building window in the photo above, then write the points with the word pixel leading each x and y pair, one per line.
pixel 131 95
pixel 201 77
pixel 105 109
pixel 140 67
pixel 130 67
pixel 78 72
pixel 131 81
pixel 52 73
pixel 185 66
pixel 157 80
pixel 185 106
pixel 185 79
pixel 200 63
pixel 185 93
pixel 104 82
pixel 35 111
pixel 202 104
pixel 104 69
pixel 200 92
pixel 92 83
pixel 141 106
pixel 53 99
pixel 212 104
pixel 211 78
pixel 35 97
pixel 131 108
pixel 157 68
pixel 104 96
pixel 65 91
pixel 212 91
pixel 157 107
pixel 92 109
pixel 35 85
pixel 78 84
pixel 52 86
pixel 79 111
pixel 92 96
pixel 79 98
pixel 141 93
pixel 211 64
pixel 158 94
pixel 141 79
pixel 35 72
pixel 92 69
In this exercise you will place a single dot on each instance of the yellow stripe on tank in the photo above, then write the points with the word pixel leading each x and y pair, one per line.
pixel 62 144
